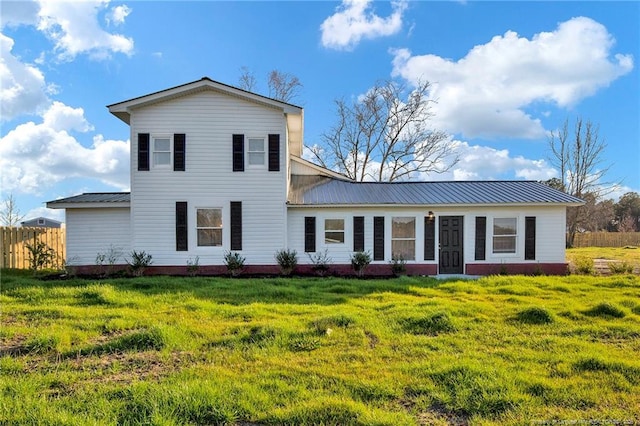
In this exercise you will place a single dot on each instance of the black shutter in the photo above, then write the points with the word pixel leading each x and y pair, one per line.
pixel 238 153
pixel 358 233
pixel 378 238
pixel 182 242
pixel 143 151
pixel 429 238
pixel 481 237
pixel 309 234
pixel 530 238
pixel 179 152
pixel 274 153
pixel 236 225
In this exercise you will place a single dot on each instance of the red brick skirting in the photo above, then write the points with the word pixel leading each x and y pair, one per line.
pixel 517 268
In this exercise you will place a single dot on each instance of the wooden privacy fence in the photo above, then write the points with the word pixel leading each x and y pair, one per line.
pixel 607 239
pixel 14 246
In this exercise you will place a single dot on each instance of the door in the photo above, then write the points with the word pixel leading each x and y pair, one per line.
pixel 451 261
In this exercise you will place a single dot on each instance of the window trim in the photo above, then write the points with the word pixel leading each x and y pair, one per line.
pixel 333 243
pixel 514 236
pixel 152 151
pixel 221 227
pixel 394 239
pixel 263 152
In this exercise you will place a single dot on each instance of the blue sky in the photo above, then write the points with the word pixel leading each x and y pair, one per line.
pixel 504 74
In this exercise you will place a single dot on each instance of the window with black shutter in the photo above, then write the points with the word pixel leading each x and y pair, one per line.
pixel 182 231
pixel 481 237
pixel 429 238
pixel 274 153
pixel 236 225
pixel 378 238
pixel 143 151
pixel 530 238
pixel 238 153
pixel 309 234
pixel 179 152
pixel 358 233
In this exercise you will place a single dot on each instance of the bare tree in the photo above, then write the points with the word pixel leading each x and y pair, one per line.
pixel 283 86
pixel 247 80
pixel 9 212
pixel 578 158
pixel 384 136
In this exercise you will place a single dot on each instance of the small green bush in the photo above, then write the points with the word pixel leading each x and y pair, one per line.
pixel 583 265
pixel 40 254
pixel 534 315
pixel 605 310
pixel 321 262
pixel 620 268
pixel 234 262
pixel 193 266
pixel 139 262
pixel 398 265
pixel 360 261
pixel 287 260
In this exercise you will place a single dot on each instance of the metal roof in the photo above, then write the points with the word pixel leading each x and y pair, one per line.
pixel 321 190
pixel 93 197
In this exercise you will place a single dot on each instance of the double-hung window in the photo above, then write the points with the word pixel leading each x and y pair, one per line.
pixel 209 227
pixel 256 151
pixel 334 231
pixel 505 230
pixel 403 237
pixel 161 149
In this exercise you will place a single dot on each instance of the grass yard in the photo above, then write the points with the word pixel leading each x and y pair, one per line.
pixel 169 351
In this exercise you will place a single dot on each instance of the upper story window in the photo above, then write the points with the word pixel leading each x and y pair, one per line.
pixel 403 237
pixel 161 148
pixel 256 151
pixel 505 230
pixel 334 231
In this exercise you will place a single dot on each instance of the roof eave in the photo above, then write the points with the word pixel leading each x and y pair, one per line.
pixel 98 205
pixel 431 206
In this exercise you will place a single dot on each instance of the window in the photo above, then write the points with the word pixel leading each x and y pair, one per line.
pixel 209 227
pixel 403 237
pixel 504 235
pixel 334 231
pixel 161 151
pixel 256 151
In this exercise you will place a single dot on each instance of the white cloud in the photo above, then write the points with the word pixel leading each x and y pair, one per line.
pixel 34 157
pixel 485 163
pixel 16 13
pixel 118 14
pixel 485 93
pixel 74 29
pixel 354 20
pixel 23 88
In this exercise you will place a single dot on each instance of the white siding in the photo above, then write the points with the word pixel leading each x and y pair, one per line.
pixel 93 231
pixel 550 238
pixel 209 120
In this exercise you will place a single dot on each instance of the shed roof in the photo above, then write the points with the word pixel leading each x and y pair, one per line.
pixel 92 199
pixel 326 191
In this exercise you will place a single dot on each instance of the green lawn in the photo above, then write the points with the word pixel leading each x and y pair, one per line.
pixel 166 351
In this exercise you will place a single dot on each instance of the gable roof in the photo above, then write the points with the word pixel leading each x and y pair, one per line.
pixel 92 200
pixel 122 109
pixel 326 191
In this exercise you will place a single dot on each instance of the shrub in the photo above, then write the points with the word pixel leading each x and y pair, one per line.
pixel 534 315
pixel 584 265
pixel 321 262
pixel 193 266
pixel 234 262
pixel 360 261
pixel 398 265
pixel 287 260
pixel 620 268
pixel 605 309
pixel 139 262
pixel 40 254
pixel 108 259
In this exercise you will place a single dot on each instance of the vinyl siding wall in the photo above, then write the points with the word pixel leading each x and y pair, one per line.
pixel 550 247
pixel 209 120
pixel 93 231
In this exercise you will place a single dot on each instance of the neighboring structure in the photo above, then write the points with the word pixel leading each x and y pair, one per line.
pixel 41 222
pixel 215 169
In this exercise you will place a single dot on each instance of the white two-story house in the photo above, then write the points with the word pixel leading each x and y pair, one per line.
pixel 216 169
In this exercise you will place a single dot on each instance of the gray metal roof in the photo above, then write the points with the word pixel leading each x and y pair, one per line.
pixel 321 190
pixel 94 197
